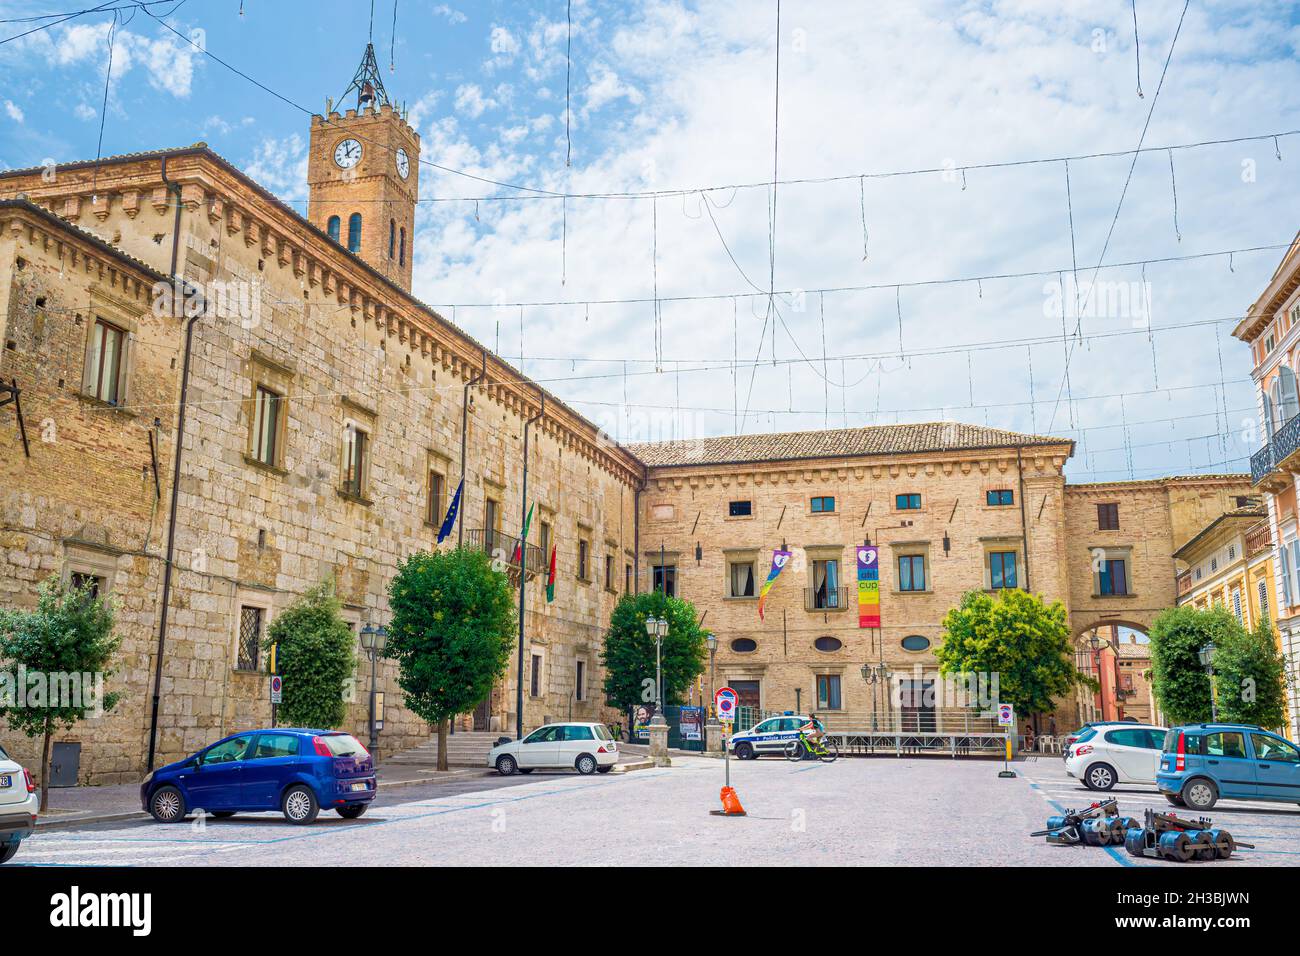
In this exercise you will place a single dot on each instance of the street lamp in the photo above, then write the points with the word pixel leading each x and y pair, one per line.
pixel 711 642
pixel 657 627
pixel 373 641
pixel 1206 654
pixel 874 674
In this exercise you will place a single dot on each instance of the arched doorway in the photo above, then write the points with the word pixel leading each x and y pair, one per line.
pixel 1117 656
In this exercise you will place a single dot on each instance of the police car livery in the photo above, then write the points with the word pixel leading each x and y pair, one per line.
pixel 768 736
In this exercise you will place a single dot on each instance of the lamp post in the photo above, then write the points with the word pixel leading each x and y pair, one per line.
pixel 874 674
pixel 711 642
pixel 657 627
pixel 1206 654
pixel 373 641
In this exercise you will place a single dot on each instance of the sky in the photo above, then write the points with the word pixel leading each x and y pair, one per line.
pixel 665 299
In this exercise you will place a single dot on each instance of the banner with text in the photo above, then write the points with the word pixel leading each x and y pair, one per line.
pixel 868 586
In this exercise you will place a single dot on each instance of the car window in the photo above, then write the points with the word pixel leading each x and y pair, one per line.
pixel 1274 748
pixel 577 733
pixel 1126 738
pixel 542 735
pixel 274 745
pixel 3 755
pixel 602 732
pixel 1225 744
pixel 767 726
pixel 1085 735
pixel 227 750
pixel 1155 739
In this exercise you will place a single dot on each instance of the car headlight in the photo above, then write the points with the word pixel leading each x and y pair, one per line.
pixel 147 778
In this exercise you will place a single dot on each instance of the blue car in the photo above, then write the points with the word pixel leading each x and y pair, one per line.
pixel 297 772
pixel 1203 763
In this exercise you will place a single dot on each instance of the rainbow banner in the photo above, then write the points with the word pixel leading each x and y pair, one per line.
pixel 779 560
pixel 868 586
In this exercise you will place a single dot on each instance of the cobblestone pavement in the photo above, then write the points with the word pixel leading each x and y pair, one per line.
pixel 855 811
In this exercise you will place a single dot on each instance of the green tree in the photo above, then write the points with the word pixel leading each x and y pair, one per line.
pixel 314 657
pixel 1250 677
pixel 65 640
pixel 1025 642
pixel 1179 681
pixel 629 652
pixel 452 633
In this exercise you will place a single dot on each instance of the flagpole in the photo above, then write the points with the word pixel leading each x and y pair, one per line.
pixel 464 434
pixel 523 577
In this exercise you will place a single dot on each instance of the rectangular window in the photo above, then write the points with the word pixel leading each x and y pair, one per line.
pixel 627 579
pixel 92 582
pixel 665 579
pixel 434 508
pixel 828 691
pixel 1113 578
pixel 741 576
pixel 911 572
pixel 907 502
pixel 1263 599
pixel 1000 496
pixel 491 523
pixel 250 638
pixel 740 509
pixel 826 584
pixel 580 680
pixel 1108 517
pixel 1236 603
pixel 107 347
pixel 354 461
pixel 609 571
pixel 535 676
pixel 822 505
pixel 266 426
pixel 1002 569
pixel 544 542
pixel 582 559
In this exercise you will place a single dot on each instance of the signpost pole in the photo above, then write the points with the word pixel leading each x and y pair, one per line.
pixel 1007 718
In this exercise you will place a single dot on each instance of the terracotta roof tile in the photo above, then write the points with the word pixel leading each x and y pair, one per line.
pixel 835 443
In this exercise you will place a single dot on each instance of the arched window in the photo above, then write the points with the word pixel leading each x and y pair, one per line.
pixel 401 248
pixel 354 232
pixel 333 228
pixel 828 644
pixel 1287 400
pixel 743 645
pixel 392 237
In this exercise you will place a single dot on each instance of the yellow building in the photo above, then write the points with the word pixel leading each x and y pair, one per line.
pixel 1230 563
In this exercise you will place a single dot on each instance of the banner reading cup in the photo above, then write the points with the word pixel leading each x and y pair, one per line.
pixel 868 586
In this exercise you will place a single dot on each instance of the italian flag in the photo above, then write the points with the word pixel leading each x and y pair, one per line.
pixel 550 579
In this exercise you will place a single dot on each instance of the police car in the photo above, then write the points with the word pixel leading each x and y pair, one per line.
pixel 768 736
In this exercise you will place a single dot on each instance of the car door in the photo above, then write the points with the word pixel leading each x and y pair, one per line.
pixel 269 766
pixel 214 782
pixel 1277 767
pixel 1127 750
pixel 577 739
pixel 766 734
pixel 541 748
pixel 1225 758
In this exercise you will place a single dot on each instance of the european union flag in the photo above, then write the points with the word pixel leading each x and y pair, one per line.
pixel 449 522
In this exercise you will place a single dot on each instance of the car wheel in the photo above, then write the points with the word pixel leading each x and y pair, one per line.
pixel 744 752
pixel 167 805
pixel 586 764
pixel 222 814
pixel 506 765
pixel 1175 799
pixel 299 805
pixel 1100 776
pixel 605 769
pixel 8 850
pixel 1200 794
pixel 352 811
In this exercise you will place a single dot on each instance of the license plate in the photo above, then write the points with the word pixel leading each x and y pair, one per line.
pixel 360 786
pixel 6 781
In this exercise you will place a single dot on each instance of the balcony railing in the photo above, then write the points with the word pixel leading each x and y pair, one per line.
pixel 826 599
pixel 1259 538
pixel 497 544
pixel 1184 583
pixel 1272 457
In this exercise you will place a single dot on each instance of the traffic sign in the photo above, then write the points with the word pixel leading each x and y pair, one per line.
pixel 1006 716
pixel 724 702
pixel 277 689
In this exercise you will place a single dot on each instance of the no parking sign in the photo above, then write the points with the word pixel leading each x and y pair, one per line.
pixel 724 702
pixel 1006 716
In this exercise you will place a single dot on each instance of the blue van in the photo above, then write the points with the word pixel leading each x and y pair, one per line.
pixel 1203 763
pixel 297 772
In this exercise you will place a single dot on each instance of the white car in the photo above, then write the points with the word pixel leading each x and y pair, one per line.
pixel 585 747
pixel 768 736
pixel 18 805
pixel 1116 753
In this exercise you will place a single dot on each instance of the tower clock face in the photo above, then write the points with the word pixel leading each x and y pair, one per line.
pixel 347 154
pixel 403 163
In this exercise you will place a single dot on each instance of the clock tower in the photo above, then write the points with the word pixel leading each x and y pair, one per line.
pixel 363 176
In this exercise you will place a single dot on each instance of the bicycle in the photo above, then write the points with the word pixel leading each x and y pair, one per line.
pixel 802 748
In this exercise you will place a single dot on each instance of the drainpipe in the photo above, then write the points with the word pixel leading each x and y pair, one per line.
pixel 1024 528
pixel 175 189
pixel 636 537
pixel 523 579
pixel 464 434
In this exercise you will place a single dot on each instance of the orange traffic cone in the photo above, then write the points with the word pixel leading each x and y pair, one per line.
pixel 731 803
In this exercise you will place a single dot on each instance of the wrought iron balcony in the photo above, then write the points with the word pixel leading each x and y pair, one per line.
pixel 505 548
pixel 1259 538
pixel 826 599
pixel 1278 456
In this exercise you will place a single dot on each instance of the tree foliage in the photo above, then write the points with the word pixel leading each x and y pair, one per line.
pixel 1250 677
pixel 70 632
pixel 315 658
pixel 452 632
pixel 1014 635
pixel 629 653
pixel 1179 681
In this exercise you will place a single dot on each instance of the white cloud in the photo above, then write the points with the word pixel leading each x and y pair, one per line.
pixel 168 61
pixel 84 111
pixel 502 42
pixel 14 111
pixel 471 101
pixel 454 17
pixel 281 166
pixel 605 87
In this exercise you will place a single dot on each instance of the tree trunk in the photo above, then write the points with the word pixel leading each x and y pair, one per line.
pixel 442 744
pixel 46 747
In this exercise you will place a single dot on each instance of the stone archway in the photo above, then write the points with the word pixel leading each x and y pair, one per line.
pixel 1116 654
